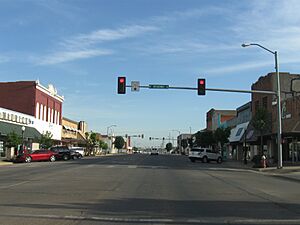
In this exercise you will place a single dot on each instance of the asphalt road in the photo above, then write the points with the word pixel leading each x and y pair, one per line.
pixel 143 189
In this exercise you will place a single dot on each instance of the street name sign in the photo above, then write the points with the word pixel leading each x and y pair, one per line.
pixel 158 86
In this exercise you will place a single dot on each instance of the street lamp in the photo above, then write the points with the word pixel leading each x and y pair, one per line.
pixel 279 128
pixel 107 134
pixel 23 130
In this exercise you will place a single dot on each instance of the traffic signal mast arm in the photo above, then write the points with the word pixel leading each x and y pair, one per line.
pixel 213 89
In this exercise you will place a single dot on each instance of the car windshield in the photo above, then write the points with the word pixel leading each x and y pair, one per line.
pixel 176 112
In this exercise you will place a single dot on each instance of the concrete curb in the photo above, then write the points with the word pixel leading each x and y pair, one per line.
pixel 4 163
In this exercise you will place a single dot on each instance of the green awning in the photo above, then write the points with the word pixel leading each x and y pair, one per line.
pixel 30 132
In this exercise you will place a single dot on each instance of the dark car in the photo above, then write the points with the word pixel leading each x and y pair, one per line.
pixel 38 155
pixel 62 152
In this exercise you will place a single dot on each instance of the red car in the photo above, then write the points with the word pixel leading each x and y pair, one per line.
pixel 38 155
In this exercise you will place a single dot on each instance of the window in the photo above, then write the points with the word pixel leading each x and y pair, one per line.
pixel 265 102
pixel 37 113
pixel 238 133
pixel 42 113
pixel 256 105
pixel 49 114
pixel 45 112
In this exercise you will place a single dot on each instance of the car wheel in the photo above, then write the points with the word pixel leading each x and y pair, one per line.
pixel 193 160
pixel 28 159
pixel 205 160
pixel 219 160
pixel 79 156
pixel 65 157
pixel 52 158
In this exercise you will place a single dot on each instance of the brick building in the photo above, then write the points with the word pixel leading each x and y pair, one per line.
pixel 215 118
pixel 290 108
pixel 33 99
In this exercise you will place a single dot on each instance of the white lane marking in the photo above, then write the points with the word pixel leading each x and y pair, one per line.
pixel 111 166
pixel 13 185
pixel 162 220
pixel 132 166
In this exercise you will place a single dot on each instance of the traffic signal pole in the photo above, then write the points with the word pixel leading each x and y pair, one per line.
pixel 209 89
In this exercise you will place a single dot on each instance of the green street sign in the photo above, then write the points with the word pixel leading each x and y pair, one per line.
pixel 158 86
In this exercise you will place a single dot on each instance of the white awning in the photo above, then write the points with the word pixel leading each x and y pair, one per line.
pixel 237 132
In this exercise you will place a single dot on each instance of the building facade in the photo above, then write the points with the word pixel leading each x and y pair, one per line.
pixel 33 99
pixel 239 125
pixel 290 110
pixel 217 118
pixel 73 133
pixel 21 124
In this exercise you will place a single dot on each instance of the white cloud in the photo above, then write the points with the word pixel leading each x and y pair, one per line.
pixel 103 35
pixel 84 45
pixel 65 56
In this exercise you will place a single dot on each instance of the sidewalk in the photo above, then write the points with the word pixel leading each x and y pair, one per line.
pixel 4 162
pixel 289 171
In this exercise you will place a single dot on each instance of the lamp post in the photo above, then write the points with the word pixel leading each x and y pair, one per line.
pixel 279 127
pixel 23 130
pixel 107 135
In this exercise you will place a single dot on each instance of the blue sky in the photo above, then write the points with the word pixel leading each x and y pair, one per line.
pixel 81 47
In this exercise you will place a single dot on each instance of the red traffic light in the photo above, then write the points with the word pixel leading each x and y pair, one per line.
pixel 121 85
pixel 201 86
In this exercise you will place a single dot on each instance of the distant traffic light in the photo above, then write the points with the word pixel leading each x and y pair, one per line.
pixel 121 85
pixel 150 138
pixel 201 86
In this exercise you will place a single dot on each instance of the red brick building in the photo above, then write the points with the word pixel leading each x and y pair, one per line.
pixel 31 98
pixel 290 108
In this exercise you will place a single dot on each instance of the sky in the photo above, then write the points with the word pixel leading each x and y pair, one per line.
pixel 82 46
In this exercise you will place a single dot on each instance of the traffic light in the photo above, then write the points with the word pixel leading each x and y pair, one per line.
pixel 150 138
pixel 201 86
pixel 121 85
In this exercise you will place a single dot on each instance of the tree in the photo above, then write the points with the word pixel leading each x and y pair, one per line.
pixel 46 140
pixel 204 138
pixel 221 135
pixel 261 123
pixel 13 140
pixel 119 142
pixel 169 146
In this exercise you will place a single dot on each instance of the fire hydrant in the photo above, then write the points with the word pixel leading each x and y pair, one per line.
pixel 263 161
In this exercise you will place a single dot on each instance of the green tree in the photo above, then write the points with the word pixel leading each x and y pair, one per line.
pixel 204 138
pixel 105 146
pixel 169 146
pixel 46 140
pixel 13 140
pixel 119 142
pixel 221 135
pixel 261 123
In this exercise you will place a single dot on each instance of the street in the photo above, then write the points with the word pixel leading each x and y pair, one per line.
pixel 139 189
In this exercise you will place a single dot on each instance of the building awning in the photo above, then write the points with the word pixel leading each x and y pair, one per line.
pixel 69 128
pixel 30 132
pixel 237 132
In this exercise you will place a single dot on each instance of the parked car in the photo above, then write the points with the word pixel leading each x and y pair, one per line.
pixel 154 151
pixel 78 151
pixel 62 152
pixel 205 155
pixel 75 154
pixel 38 155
